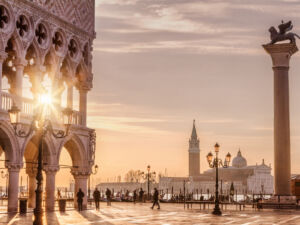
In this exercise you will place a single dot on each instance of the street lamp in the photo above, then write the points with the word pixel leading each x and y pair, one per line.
pixel 92 173
pixel 215 163
pixel 41 126
pixel 6 181
pixel 150 176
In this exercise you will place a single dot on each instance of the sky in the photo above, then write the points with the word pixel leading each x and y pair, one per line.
pixel 159 64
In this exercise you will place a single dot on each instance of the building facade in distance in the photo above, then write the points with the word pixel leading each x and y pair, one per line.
pixel 194 153
pixel 253 179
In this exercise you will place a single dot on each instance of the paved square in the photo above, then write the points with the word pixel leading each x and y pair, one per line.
pixel 170 214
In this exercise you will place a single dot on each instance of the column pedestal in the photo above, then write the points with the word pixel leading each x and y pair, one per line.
pixel 81 182
pixel 3 56
pixel 50 189
pixel 281 54
pixel 31 190
pixel 83 105
pixel 13 189
pixel 17 84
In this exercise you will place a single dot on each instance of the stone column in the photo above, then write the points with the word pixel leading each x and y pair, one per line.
pixel 13 188
pixel 50 188
pixel 281 54
pixel 36 77
pixel 81 182
pixel 70 96
pixel 83 104
pixel 3 56
pixel 31 188
pixel 17 84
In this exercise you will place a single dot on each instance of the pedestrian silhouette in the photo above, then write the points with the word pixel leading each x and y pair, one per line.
pixel 155 199
pixel 108 196
pixel 141 194
pixel 96 196
pixel 80 196
pixel 134 196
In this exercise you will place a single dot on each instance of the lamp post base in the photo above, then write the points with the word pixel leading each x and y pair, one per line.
pixel 38 217
pixel 217 211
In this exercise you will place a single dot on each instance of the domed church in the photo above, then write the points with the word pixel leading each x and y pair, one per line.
pixel 252 179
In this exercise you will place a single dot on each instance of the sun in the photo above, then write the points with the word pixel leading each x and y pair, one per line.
pixel 45 99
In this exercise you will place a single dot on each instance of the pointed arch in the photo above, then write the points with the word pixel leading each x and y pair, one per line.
pixel 9 143
pixel 75 148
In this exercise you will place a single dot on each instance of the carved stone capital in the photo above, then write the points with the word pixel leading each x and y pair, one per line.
pixel 3 56
pixel 81 173
pixel 281 53
pixel 14 167
pixel 84 86
pixel 20 62
pixel 51 169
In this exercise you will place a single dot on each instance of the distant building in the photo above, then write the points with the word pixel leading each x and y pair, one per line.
pixel 194 153
pixel 295 185
pixel 253 179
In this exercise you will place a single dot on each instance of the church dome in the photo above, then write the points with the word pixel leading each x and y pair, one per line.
pixel 239 161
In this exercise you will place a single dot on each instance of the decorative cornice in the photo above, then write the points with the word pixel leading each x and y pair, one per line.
pixel 14 167
pixel 48 16
pixel 281 48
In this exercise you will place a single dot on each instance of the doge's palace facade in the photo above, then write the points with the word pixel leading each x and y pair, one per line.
pixel 41 37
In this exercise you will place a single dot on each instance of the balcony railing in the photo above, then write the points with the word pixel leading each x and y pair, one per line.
pixel 28 107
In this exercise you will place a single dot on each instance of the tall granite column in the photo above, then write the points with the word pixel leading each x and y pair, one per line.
pixel 281 54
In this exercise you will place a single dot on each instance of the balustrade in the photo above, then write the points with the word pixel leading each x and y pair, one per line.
pixel 28 107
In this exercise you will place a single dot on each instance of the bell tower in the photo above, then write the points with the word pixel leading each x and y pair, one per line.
pixel 194 153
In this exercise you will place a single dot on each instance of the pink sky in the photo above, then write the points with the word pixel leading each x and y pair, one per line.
pixel 160 64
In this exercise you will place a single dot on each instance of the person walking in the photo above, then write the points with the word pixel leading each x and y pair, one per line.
pixel 134 196
pixel 155 199
pixel 108 196
pixel 80 196
pixel 141 195
pixel 96 196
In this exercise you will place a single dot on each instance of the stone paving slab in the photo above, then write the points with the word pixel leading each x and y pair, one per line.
pixel 170 214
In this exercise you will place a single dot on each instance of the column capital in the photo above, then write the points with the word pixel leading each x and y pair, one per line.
pixel 14 167
pixel 84 86
pixel 20 62
pixel 281 53
pixel 3 56
pixel 51 169
pixel 82 174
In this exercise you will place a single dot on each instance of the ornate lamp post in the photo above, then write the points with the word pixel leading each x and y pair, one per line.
pixel 150 176
pixel 41 126
pixel 92 173
pixel 215 163
pixel 6 181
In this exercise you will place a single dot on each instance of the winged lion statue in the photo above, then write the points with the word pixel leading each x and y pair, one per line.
pixel 282 35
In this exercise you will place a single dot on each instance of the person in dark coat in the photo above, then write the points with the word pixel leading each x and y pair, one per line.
pixel 96 196
pixel 134 196
pixel 108 196
pixel 155 199
pixel 80 196
pixel 141 195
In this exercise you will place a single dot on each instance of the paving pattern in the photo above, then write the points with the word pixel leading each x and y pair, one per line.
pixel 170 214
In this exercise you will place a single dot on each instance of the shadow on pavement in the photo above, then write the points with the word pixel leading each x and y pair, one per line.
pixel 90 216
pixel 52 219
